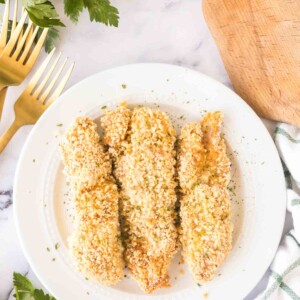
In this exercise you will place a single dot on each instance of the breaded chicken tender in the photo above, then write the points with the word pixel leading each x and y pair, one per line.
pixel 145 168
pixel 205 209
pixel 95 242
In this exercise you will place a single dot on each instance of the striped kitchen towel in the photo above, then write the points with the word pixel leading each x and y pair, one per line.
pixel 284 281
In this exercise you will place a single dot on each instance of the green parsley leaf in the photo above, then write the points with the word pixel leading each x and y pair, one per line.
pixel 22 283
pixel 40 295
pixel 102 11
pixel 51 39
pixel 42 13
pixel 73 8
pixel 24 290
pixel 23 296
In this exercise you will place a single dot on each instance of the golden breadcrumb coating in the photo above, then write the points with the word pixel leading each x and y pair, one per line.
pixel 95 242
pixel 217 161
pixel 145 167
pixel 116 125
pixel 204 173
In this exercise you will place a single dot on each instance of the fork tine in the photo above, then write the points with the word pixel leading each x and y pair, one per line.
pixel 28 44
pixel 34 80
pixel 53 81
pixel 42 84
pixel 60 87
pixel 22 42
pixel 20 36
pixel 3 35
pixel 36 51
pixel 29 36
pixel 22 30
pixel 14 23
pixel 14 38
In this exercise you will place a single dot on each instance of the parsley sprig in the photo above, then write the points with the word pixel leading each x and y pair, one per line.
pixel 44 14
pixel 99 10
pixel 24 290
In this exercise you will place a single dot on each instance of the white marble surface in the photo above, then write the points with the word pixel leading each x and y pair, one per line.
pixel 166 31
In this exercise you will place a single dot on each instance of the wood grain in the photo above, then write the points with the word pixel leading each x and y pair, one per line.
pixel 259 41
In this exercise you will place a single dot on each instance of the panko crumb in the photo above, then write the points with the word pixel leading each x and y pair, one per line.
pixel 141 144
pixel 204 173
pixel 116 123
pixel 95 242
pixel 83 156
pixel 145 167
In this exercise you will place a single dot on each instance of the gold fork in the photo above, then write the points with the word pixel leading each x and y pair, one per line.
pixel 37 96
pixel 18 55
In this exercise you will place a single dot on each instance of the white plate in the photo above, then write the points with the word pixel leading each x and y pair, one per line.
pixel 43 219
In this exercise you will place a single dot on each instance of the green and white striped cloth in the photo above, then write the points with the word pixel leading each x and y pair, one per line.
pixel 284 281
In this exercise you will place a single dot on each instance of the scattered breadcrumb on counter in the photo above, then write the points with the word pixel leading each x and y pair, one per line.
pixel 95 242
pixel 204 174
pixel 141 143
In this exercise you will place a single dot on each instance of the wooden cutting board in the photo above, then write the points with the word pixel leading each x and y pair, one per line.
pixel 259 41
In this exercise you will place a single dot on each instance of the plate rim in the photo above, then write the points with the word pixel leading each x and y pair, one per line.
pixel 159 65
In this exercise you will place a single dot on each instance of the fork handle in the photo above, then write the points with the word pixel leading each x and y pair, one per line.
pixel 2 98
pixel 10 132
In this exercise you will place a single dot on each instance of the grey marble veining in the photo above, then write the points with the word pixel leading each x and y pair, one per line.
pixel 5 199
